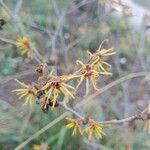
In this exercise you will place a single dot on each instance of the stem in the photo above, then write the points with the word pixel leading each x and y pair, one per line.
pixel 71 110
pixel 41 131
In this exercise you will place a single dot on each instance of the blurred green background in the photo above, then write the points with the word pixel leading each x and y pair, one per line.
pixel 62 31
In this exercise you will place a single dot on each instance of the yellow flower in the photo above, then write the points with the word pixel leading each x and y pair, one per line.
pixel 88 73
pixel 24 44
pixel 57 86
pixel 27 91
pixel 147 122
pixel 42 146
pixel 75 124
pixel 94 129
pixel 100 66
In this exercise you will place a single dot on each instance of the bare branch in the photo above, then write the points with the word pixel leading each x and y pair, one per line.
pixel 41 131
pixel 7 41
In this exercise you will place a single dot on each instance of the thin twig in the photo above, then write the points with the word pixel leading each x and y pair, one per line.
pixel 118 122
pixel 112 122
pixel 71 110
pixel 7 41
pixel 23 144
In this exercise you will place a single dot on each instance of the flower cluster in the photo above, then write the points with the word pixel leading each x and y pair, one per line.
pixel 24 44
pixel 87 72
pixel 101 65
pixel 75 124
pixel 50 88
pixel 57 86
pixel 28 91
pixel 90 129
pixel 94 69
pixel 95 129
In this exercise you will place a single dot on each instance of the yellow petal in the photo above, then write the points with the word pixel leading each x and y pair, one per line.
pixel 81 63
pixel 68 86
pixel 48 94
pixel 89 53
pixel 70 119
pixel 45 86
pixel 149 107
pixel 145 126
pixel 20 93
pixel 109 54
pixel 19 90
pixel 148 124
pixel 74 131
pixel 94 84
pixel 90 134
pixel 67 91
pixel 81 79
pixel 97 134
pixel 31 100
pixel 104 51
pixel 70 125
pixel 80 130
pixel 106 73
pixel 27 102
pixel 107 64
pixel 54 98
pixel 87 87
pixel 102 68
pixel 23 95
pixel 21 83
pixel 95 61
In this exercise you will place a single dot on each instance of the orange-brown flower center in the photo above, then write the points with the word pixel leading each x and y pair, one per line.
pixel 76 123
pixel 26 43
pixel 88 67
pixel 56 84
pixel 31 90
pixel 87 71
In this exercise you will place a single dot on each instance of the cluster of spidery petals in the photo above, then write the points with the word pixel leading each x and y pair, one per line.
pixel 49 93
pixel 94 69
pixel 56 87
pixel 87 73
pixel 24 44
pixel 94 129
pixel 147 119
pixel 50 88
pixel 75 124
pixel 27 91
pixel 90 128
pixel 101 65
